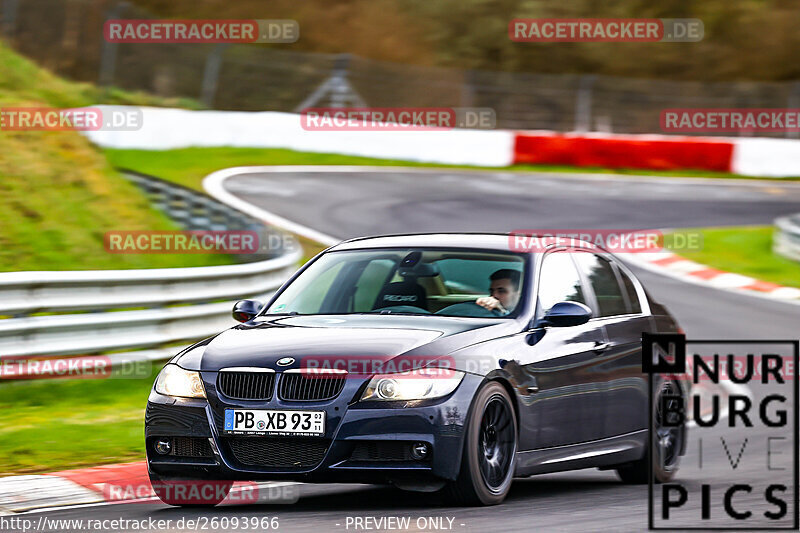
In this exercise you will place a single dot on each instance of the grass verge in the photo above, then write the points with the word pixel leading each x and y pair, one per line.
pixel 54 424
pixel 745 250
pixel 188 166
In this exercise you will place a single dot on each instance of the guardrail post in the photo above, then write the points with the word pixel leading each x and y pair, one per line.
pixel 583 104
pixel 8 23
pixel 794 103
pixel 468 90
pixel 108 55
pixel 211 74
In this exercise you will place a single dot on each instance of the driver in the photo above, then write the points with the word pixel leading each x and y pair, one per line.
pixel 503 291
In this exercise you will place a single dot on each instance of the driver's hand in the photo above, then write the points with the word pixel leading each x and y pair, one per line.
pixel 490 303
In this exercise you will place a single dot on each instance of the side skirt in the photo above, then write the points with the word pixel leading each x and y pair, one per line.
pixel 597 453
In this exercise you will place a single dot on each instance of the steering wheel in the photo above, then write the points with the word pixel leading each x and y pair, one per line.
pixel 469 309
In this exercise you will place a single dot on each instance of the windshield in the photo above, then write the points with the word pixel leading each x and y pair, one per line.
pixel 465 283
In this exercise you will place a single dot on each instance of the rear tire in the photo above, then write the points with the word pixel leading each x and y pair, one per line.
pixel 667 444
pixel 190 492
pixel 489 455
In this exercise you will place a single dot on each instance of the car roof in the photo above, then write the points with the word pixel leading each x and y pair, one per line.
pixel 487 241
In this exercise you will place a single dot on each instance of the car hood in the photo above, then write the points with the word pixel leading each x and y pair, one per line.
pixel 264 342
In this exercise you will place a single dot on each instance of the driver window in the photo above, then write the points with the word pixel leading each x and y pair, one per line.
pixel 600 274
pixel 559 281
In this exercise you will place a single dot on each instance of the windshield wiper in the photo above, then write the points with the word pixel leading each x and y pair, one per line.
pixel 390 312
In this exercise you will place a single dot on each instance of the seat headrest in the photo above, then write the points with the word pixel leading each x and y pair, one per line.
pixel 406 292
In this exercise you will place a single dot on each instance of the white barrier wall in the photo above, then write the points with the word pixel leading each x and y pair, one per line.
pixel 164 129
pixel 776 158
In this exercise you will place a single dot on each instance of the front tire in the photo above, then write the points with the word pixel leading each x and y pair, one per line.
pixel 489 455
pixel 190 492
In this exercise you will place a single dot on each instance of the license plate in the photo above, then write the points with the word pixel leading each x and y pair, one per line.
pixel 272 422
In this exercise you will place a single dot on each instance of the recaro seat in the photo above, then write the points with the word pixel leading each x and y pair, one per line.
pixel 406 292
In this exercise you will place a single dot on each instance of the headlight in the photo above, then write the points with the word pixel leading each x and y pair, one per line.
pixel 175 381
pixel 421 384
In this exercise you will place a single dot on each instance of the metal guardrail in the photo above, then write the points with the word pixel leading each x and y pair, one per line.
pixel 189 208
pixel 85 333
pixel 196 211
pixel 101 304
pixel 786 241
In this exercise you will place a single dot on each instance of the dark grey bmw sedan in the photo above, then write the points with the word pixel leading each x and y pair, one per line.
pixel 436 362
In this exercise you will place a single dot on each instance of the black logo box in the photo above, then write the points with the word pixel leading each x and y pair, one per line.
pixel 679 341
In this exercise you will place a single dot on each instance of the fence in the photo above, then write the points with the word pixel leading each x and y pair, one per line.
pixel 66 36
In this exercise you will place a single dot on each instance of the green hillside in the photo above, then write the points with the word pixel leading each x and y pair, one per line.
pixel 58 193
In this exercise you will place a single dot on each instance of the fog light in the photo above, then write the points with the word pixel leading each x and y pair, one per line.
pixel 419 450
pixel 163 446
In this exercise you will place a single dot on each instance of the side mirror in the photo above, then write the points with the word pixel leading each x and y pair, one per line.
pixel 564 314
pixel 245 310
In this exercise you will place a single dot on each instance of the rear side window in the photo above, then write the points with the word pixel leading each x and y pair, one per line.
pixel 630 290
pixel 559 281
pixel 601 276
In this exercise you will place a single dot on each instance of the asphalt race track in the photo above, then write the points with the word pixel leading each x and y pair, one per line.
pixel 350 204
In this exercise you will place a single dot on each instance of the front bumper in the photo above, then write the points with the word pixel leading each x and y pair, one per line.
pixel 361 443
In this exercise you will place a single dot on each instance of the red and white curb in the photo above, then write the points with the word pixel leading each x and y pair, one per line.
pixel 24 493
pixel 675 266
pixel 69 487
pixel 116 483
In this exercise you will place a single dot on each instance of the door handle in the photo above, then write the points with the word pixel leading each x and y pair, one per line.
pixel 600 347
